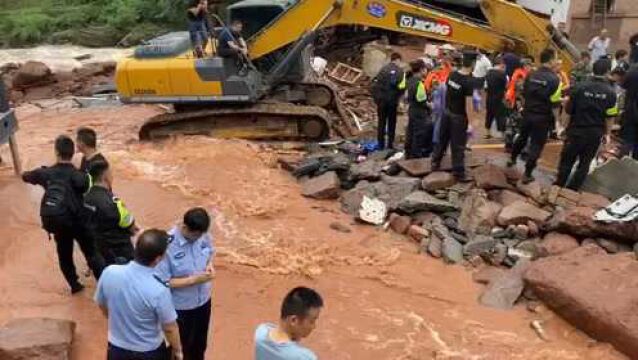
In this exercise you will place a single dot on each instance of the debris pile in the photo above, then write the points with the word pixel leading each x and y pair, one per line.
pixel 33 80
pixel 494 224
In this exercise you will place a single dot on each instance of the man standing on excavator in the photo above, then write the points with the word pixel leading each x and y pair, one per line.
pixel 231 43
pixel 387 88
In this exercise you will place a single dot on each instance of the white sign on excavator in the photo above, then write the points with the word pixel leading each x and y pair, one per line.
pixel 413 22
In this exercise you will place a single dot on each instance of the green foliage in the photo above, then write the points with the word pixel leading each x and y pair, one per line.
pixel 25 22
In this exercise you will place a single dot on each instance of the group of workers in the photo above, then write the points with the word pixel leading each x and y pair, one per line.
pixel 524 101
pixel 156 294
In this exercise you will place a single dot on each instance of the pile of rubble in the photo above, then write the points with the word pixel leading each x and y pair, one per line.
pixel 515 235
pixel 35 81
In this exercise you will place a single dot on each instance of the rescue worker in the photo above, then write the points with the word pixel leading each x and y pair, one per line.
pixel 188 269
pixel 62 213
pixel 541 93
pixel 418 138
pixel 516 82
pixel 299 313
pixel 111 224
pixel 454 124
pixel 86 143
pixel 387 88
pixel 590 105
pixel 582 70
pixel 138 305
pixel 496 81
pixel 232 44
pixel 198 26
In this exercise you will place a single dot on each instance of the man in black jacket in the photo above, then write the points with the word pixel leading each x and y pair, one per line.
pixel 62 212
pixel 111 223
pixel 496 80
pixel 590 105
pixel 387 88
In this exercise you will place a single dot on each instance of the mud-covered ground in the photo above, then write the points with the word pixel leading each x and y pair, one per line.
pixel 383 300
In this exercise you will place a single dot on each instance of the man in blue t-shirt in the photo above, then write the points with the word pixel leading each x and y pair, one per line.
pixel 231 43
pixel 299 313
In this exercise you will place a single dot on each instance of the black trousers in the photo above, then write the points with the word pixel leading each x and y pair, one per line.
pixel 453 133
pixel 117 353
pixel 116 253
pixel 581 145
pixel 64 244
pixel 193 331
pixel 495 111
pixel 387 114
pixel 418 136
pixel 536 131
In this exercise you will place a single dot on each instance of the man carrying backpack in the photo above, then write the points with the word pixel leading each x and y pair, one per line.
pixel 61 211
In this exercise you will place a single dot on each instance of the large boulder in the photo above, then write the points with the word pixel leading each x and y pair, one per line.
pixel 594 291
pixel 478 215
pixel 533 190
pixel 579 221
pixel 391 190
pixel 32 73
pixel 555 244
pixel 438 180
pixel 367 170
pixel 490 177
pixel 422 201
pixel 521 212
pixel 36 339
pixel 325 186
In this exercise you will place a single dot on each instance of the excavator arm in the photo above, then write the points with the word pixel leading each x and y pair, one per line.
pixel 508 22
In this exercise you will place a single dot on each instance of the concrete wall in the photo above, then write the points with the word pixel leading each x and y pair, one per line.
pixel 622 23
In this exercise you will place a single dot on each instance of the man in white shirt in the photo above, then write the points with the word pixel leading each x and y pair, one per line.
pixel 599 45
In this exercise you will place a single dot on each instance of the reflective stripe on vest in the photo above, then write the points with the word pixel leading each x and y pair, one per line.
pixel 126 218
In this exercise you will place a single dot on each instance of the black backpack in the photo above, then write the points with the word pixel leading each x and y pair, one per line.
pixel 60 206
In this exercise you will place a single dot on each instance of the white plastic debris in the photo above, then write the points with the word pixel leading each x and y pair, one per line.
pixel 319 65
pixel 373 211
pixel 624 209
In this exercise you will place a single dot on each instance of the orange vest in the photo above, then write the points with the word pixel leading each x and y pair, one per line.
pixel 438 75
pixel 519 75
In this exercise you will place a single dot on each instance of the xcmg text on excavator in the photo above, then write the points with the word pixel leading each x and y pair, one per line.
pixel 276 96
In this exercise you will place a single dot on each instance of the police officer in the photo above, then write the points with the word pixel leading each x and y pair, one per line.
pixel 454 124
pixel 590 104
pixel 541 92
pixel 387 88
pixel 138 305
pixel 188 269
pixel 418 137
pixel 86 142
pixel 111 224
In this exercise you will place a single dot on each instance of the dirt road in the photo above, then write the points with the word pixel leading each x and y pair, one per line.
pixel 383 300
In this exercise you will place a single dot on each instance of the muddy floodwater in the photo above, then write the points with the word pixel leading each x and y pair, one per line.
pixel 383 299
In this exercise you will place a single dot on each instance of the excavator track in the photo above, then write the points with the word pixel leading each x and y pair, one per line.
pixel 261 121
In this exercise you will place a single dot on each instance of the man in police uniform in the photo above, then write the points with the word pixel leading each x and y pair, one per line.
pixel 188 269
pixel 387 88
pixel 138 305
pixel 591 103
pixel 541 92
pixel 111 224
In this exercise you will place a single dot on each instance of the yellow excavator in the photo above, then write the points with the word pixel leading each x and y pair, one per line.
pixel 274 96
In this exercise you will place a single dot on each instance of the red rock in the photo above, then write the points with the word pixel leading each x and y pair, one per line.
pixel 556 244
pixel 594 201
pixel 326 186
pixel 503 291
pixel 521 212
pixel 613 247
pixel 415 167
pixel 400 224
pixel 490 177
pixel 418 233
pixel 594 291
pixel 437 181
pixel 533 229
pixel 579 221
pixel 30 74
pixel 37 338
pixel 478 215
pixel 506 197
pixel 521 232
pixel 533 190
pixel 435 247
pixel 512 174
